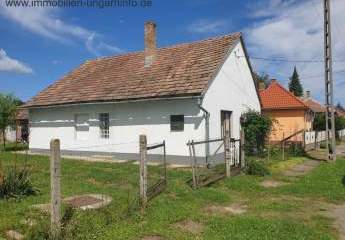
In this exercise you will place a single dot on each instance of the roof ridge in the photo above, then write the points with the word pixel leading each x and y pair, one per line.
pixel 168 47
pixel 292 95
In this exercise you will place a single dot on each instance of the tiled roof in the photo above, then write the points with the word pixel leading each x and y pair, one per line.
pixel 314 105
pixel 180 70
pixel 277 97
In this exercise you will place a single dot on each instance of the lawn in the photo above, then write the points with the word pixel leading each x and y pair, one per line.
pixel 292 211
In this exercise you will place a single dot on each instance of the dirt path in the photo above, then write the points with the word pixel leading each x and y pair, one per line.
pixel 301 169
pixel 341 149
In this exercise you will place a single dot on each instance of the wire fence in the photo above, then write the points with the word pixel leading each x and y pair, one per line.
pixel 211 160
pixel 157 169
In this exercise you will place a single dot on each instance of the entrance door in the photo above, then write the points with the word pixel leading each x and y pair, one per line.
pixel 226 122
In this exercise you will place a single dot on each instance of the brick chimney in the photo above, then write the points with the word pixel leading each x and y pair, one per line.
pixel 150 43
pixel 307 95
pixel 262 85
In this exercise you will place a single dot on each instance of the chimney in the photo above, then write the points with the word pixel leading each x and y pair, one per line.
pixel 262 85
pixel 150 43
pixel 307 94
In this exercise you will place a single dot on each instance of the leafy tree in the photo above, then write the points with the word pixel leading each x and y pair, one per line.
pixel 264 77
pixel 256 130
pixel 8 107
pixel 320 122
pixel 295 85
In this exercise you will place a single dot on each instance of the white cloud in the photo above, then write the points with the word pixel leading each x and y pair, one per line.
pixel 294 30
pixel 8 64
pixel 46 22
pixel 206 26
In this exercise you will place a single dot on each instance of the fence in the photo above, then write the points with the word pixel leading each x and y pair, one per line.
pixel 341 134
pixel 152 178
pixel 313 139
pixel 214 159
pixel 153 169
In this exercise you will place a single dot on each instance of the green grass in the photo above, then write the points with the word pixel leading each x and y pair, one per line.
pixel 280 213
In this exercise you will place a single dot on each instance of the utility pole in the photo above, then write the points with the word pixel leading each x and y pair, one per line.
pixel 330 130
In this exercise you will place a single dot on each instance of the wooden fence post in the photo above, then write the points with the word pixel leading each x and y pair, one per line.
pixel 227 153
pixel 283 146
pixel 143 169
pixel 242 142
pixel 55 177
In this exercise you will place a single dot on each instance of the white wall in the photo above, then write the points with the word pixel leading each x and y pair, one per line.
pixel 10 134
pixel 233 90
pixel 127 122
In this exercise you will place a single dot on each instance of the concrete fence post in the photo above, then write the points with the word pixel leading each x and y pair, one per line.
pixel 227 153
pixel 143 169
pixel 55 178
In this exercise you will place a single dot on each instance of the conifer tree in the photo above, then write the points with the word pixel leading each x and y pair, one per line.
pixel 295 85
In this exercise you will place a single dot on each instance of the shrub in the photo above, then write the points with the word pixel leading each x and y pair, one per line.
pixel 323 145
pixel 256 168
pixel 256 129
pixel 16 183
pixel 296 150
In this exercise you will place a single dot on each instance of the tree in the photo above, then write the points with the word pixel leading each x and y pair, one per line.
pixel 339 106
pixel 319 123
pixel 8 108
pixel 264 77
pixel 295 85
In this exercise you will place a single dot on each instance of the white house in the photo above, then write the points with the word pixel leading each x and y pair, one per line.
pixel 176 93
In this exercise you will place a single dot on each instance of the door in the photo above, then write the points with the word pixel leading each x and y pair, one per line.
pixel 225 123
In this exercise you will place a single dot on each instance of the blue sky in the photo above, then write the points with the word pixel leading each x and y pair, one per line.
pixel 40 45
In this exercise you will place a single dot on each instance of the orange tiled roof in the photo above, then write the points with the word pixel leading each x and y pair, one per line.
pixel 180 70
pixel 277 97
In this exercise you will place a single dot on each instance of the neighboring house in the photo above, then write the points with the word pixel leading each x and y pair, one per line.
pixel 290 114
pixel 313 104
pixel 187 91
pixel 20 130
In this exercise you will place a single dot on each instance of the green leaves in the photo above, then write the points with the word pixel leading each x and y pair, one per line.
pixel 8 108
pixel 256 129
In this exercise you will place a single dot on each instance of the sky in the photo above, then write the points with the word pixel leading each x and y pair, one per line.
pixel 39 45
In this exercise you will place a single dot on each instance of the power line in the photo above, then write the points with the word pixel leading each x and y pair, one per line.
pixel 282 59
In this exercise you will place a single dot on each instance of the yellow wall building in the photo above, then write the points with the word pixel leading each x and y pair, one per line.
pixel 290 114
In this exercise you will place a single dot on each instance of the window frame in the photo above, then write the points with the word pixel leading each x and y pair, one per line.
pixel 178 128
pixel 104 125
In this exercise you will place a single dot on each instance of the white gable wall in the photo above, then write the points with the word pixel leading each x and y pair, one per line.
pixel 233 90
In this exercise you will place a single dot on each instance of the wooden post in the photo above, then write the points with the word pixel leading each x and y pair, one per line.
pixel 143 169
pixel 242 151
pixel 283 146
pixel 55 177
pixel 227 153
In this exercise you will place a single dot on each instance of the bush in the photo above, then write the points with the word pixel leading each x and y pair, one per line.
pixel 323 145
pixel 256 129
pixel 257 168
pixel 296 150
pixel 16 183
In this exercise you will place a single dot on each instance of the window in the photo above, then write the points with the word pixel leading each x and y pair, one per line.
pixel 104 125
pixel 177 122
